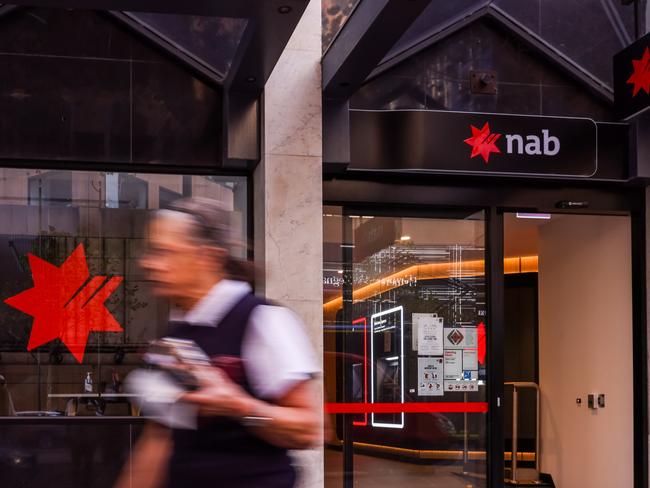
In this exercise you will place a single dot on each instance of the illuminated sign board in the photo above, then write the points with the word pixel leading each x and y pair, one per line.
pixel 387 365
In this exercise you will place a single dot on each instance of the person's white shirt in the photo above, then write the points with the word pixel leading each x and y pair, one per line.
pixel 276 352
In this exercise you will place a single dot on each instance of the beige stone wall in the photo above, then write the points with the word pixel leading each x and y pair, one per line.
pixel 585 346
pixel 288 193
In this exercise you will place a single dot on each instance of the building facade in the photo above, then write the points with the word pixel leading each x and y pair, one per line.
pixel 445 193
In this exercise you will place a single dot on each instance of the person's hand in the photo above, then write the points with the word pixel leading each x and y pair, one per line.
pixel 217 393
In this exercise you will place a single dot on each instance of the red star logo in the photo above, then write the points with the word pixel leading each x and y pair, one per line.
pixel 483 143
pixel 65 304
pixel 641 76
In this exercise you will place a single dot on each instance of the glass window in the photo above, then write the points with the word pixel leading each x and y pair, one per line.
pixel 212 40
pixel 88 220
pixel 588 32
pixel 335 14
pixel 100 93
pixel 439 78
pixel 405 349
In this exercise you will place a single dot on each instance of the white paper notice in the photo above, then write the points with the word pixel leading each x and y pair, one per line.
pixel 430 377
pixel 453 365
pixel 428 329
pixel 460 338
pixel 470 359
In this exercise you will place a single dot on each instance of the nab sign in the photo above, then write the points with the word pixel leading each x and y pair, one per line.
pixel 632 79
pixel 465 142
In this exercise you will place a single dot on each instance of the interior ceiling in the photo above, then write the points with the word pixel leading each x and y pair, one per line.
pixel 587 32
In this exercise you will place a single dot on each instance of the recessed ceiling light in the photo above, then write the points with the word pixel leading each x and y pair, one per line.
pixel 284 9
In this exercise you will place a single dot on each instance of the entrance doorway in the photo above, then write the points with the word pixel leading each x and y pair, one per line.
pixel 405 334
pixel 568 328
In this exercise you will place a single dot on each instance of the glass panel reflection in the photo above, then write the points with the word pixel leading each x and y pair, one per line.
pixel 588 32
pixel 52 215
pixel 404 340
pixel 335 14
pixel 213 40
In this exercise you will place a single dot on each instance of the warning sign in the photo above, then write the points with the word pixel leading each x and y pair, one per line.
pixel 430 376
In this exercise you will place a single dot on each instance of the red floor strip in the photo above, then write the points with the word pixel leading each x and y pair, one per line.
pixel 424 407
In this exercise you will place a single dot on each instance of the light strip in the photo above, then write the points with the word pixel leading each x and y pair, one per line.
pixel 431 271
pixel 364 322
pixel 400 365
pixel 538 216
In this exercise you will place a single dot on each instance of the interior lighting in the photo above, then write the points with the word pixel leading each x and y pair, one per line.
pixel 374 319
pixel 405 238
pixel 284 9
pixel 539 216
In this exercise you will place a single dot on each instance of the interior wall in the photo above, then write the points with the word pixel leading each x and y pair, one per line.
pixel 585 346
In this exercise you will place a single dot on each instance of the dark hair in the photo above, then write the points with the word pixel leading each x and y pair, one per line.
pixel 211 224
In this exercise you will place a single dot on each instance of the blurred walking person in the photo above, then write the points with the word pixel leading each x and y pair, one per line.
pixel 257 399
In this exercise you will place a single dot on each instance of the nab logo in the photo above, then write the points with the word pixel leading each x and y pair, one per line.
pixel 641 76
pixel 66 303
pixel 483 143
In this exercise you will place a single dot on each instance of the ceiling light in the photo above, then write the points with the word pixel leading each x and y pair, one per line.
pixel 539 216
pixel 405 238
pixel 284 9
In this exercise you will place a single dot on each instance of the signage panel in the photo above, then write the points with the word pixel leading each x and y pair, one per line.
pixel 632 79
pixel 473 143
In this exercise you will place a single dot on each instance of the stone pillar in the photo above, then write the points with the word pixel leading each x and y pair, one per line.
pixel 288 194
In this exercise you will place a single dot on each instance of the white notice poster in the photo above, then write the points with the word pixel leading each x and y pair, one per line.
pixel 460 338
pixel 470 359
pixel 453 365
pixel 428 328
pixel 430 377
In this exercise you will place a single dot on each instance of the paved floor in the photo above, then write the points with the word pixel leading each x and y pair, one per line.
pixel 373 472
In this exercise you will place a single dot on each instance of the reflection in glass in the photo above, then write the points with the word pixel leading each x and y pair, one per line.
pixel 213 40
pixel 334 14
pixel 588 32
pixel 405 323
pixel 50 214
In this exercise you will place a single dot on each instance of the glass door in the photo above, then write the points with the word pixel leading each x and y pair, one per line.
pixel 405 341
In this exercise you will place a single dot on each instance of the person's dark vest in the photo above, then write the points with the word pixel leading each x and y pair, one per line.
pixel 221 452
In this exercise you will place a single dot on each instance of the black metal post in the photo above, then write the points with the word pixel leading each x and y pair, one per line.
pixel 495 334
pixel 640 347
pixel 347 259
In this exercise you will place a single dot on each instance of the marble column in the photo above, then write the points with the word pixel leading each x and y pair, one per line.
pixel 288 195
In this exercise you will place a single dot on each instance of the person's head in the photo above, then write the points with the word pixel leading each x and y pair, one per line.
pixel 189 250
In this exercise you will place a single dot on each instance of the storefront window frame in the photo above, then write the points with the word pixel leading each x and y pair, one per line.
pixel 130 168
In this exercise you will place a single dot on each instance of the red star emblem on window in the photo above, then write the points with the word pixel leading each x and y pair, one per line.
pixel 66 303
pixel 641 76
pixel 483 142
